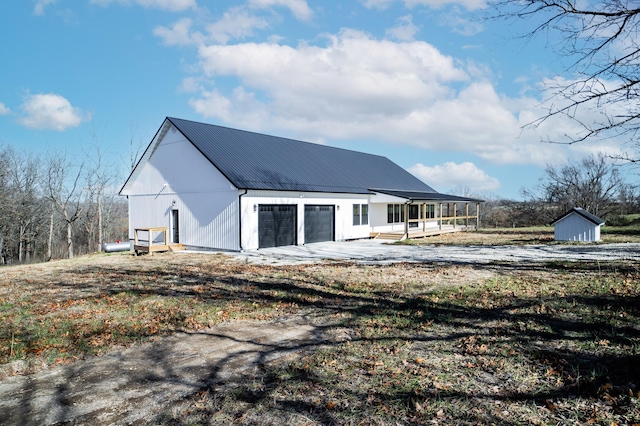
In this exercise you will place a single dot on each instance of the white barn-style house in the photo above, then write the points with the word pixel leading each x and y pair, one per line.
pixel 577 225
pixel 218 188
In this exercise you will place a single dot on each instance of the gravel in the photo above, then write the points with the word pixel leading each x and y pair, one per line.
pixel 378 252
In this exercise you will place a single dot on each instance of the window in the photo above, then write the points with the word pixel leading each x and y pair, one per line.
pixel 360 214
pixel 414 213
pixel 431 211
pixel 395 213
pixel 414 210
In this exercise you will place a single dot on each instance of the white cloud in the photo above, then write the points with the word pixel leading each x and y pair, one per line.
pixel 406 30
pixel 437 4
pixel 170 5
pixel 38 9
pixel 299 8
pixel 236 23
pixel 459 24
pixel 356 87
pixel 433 4
pixel 52 112
pixel 450 175
pixel 179 34
pixel 4 110
pixel 377 4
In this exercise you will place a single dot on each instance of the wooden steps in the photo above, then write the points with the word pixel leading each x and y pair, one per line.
pixel 176 247
pixel 392 236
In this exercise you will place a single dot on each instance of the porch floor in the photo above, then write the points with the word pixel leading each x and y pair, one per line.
pixel 419 233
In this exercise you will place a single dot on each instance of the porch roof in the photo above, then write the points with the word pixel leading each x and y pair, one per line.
pixel 416 196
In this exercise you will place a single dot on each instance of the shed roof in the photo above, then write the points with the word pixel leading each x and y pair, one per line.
pixel 582 212
pixel 256 161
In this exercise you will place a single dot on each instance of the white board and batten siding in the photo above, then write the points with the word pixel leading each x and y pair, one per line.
pixel 343 203
pixel 178 177
pixel 574 227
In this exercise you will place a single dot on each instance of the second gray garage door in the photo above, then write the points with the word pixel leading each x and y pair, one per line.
pixel 319 223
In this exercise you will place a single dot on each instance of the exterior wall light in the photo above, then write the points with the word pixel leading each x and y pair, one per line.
pixel 255 207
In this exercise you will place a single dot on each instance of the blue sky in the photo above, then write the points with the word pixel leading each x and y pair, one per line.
pixel 423 82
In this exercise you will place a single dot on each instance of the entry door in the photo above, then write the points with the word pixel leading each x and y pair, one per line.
pixel 175 226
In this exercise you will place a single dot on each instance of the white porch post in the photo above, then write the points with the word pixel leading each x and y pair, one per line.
pixel 440 218
pixel 424 217
pixel 477 216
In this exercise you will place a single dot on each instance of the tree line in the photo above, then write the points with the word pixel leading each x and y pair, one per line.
pixel 55 206
pixel 594 183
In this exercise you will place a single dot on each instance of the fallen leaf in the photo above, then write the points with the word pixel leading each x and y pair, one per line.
pixel 550 405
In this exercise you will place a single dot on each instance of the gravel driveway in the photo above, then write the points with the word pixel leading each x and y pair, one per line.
pixel 377 251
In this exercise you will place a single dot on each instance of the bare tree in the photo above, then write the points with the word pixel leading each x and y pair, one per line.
pixel 24 176
pixel 593 184
pixel 5 201
pixel 600 41
pixel 99 177
pixel 64 191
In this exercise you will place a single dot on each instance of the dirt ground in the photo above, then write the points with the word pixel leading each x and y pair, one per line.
pixel 131 386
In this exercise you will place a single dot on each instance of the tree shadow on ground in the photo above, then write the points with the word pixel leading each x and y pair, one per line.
pixel 580 340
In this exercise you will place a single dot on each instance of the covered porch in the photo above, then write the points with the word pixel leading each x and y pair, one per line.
pixel 428 214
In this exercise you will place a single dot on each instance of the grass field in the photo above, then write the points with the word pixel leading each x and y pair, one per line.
pixel 521 236
pixel 554 343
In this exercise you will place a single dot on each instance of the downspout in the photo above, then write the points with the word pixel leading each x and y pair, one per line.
pixel 240 219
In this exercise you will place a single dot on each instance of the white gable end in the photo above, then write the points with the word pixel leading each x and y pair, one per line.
pixel 175 162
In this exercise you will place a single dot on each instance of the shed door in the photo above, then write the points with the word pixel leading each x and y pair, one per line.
pixel 276 225
pixel 318 223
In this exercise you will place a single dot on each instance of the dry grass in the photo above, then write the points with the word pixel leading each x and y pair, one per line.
pixel 522 236
pixel 416 343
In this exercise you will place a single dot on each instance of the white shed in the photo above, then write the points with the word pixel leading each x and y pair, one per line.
pixel 577 225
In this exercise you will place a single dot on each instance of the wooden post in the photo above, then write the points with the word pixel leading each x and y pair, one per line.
pixel 477 216
pixel 455 211
pixel 466 216
pixel 406 220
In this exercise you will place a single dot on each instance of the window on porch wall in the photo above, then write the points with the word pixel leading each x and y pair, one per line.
pixel 395 213
pixel 414 213
pixel 430 211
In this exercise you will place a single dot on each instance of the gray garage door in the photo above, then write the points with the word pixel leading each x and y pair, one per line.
pixel 318 223
pixel 276 225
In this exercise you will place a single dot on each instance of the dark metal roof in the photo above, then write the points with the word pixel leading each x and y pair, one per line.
pixel 426 196
pixel 255 161
pixel 582 212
